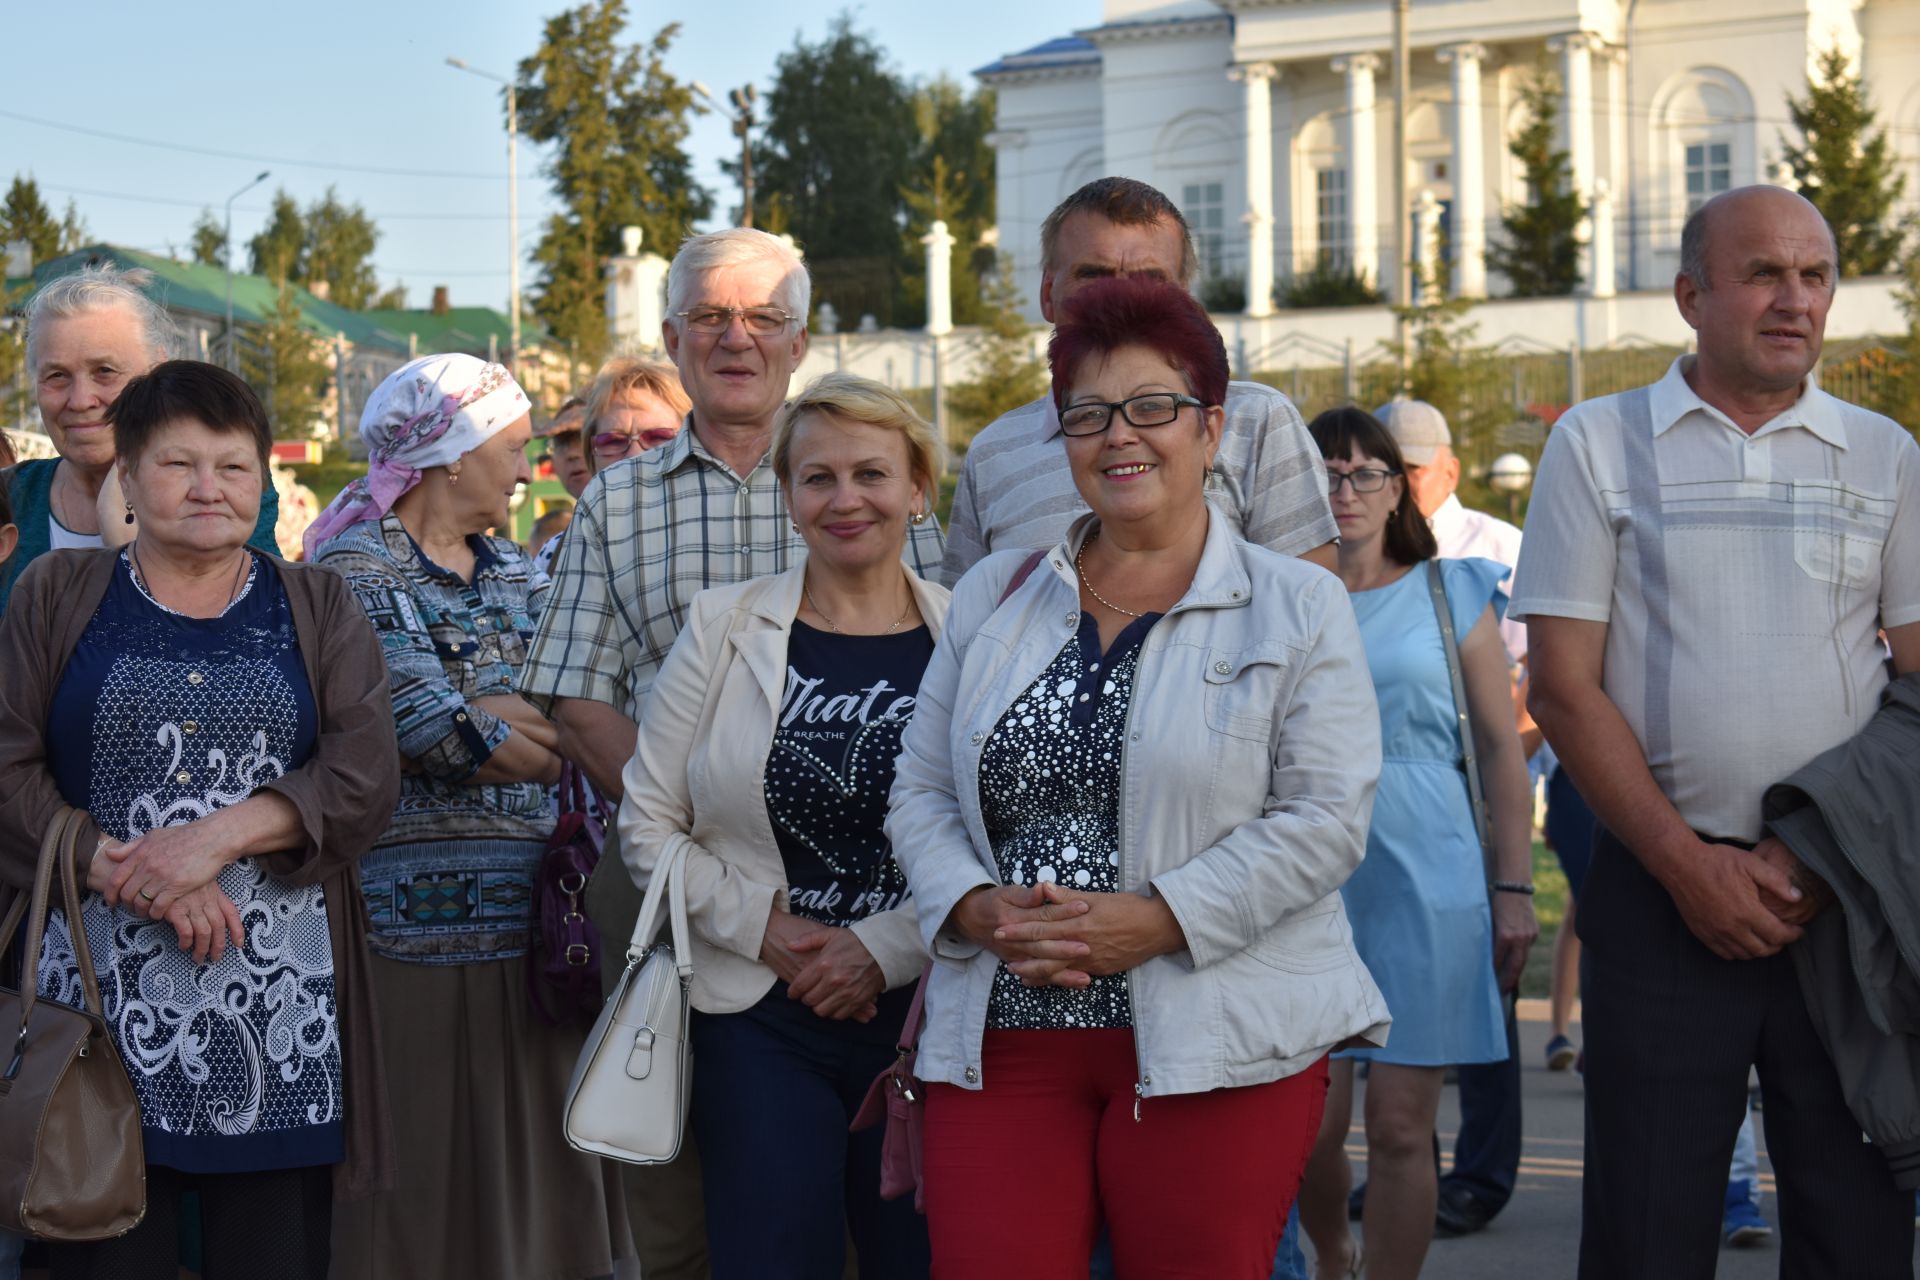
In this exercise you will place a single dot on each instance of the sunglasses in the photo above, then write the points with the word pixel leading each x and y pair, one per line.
pixel 619 443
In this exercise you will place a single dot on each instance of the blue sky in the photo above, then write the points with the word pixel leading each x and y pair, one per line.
pixel 364 85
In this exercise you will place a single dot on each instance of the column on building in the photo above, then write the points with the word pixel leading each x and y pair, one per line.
pixel 1620 180
pixel 1357 145
pixel 1256 79
pixel 1469 171
pixel 1576 83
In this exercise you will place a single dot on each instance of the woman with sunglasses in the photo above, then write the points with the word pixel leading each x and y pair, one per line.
pixel 632 406
pixel 1419 900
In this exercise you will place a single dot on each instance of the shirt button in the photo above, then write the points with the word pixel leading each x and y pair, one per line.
pixel 1133 737
pixel 190 727
pixel 978 738
pixel 973 1076
pixel 194 677
pixel 1069 619
pixel 183 777
pixel 460 717
pixel 1222 668
pixel 746 551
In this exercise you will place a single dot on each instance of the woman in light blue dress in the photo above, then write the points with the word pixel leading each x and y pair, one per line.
pixel 1419 902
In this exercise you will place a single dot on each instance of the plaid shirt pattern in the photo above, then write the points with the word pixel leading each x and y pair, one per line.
pixel 647 536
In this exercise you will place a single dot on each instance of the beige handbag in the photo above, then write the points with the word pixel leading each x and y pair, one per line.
pixel 628 1096
pixel 72 1164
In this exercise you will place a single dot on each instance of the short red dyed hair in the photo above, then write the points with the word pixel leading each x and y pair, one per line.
pixel 1102 316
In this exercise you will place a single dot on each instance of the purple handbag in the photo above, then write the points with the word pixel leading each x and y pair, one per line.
pixel 896 1094
pixel 563 967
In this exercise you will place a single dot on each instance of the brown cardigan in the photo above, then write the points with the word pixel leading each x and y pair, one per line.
pixel 345 792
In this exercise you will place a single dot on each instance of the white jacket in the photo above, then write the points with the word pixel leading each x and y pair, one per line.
pixel 1252 750
pixel 699 774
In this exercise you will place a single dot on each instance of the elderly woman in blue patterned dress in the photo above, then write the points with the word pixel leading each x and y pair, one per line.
pixel 221 717
pixel 486 1185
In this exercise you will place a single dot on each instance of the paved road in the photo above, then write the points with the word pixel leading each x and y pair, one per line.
pixel 1537 1237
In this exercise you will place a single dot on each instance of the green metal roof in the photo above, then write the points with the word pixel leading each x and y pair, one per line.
pixel 202 289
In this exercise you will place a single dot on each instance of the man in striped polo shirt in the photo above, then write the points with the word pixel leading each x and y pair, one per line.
pixel 1015 489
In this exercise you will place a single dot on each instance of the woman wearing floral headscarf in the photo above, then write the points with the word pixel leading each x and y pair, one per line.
pixel 485 1184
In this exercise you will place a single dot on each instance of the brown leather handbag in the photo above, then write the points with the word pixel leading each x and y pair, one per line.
pixel 72 1165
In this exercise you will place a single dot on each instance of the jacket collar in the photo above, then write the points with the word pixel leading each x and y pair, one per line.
pixel 1219 582
pixel 764 649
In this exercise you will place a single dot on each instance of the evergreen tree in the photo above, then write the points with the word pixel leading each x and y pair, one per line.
pixel 25 216
pixel 1007 374
pixel 1541 256
pixel 339 251
pixel 209 240
pixel 838 143
pixel 1898 393
pixel 284 363
pixel 1844 165
pixel 951 178
pixel 616 123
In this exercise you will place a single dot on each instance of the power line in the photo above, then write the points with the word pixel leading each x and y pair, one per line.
pixel 202 204
pixel 249 156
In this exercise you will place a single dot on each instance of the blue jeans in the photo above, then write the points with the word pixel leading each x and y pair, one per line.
pixel 774 1088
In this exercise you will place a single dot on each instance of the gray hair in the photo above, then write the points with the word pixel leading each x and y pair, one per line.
pixel 99 288
pixel 738 247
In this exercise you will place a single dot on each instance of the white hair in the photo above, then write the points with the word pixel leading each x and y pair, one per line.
pixel 99 288
pixel 738 247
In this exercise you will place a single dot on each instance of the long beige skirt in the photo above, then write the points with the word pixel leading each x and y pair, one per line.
pixel 485 1185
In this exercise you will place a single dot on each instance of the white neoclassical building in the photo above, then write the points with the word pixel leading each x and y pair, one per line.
pixel 1270 121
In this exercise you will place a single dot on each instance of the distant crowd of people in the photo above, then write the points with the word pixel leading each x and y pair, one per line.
pixel 1187 778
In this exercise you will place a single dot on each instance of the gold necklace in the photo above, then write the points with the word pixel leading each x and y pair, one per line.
pixel 832 626
pixel 1080 563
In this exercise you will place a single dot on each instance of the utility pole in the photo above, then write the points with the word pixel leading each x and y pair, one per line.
pixel 742 100
pixel 513 207
pixel 1402 210
pixel 233 361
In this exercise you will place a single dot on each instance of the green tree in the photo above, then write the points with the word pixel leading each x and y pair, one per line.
pixel 1541 256
pixel 615 121
pixel 284 363
pixel 839 143
pixel 1331 283
pixel 951 178
pixel 339 251
pixel 209 240
pixel 1897 394
pixel 1007 374
pixel 1844 165
pixel 276 251
pixel 25 216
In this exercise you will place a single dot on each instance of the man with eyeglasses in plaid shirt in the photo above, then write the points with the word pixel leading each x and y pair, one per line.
pixel 650 533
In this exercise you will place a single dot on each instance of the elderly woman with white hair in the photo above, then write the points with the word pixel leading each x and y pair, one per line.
pixel 87 334
pixel 485 1185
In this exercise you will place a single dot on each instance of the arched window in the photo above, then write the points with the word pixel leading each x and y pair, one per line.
pixel 1320 194
pixel 1704 143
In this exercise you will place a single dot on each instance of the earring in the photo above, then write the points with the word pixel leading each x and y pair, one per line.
pixel 129 513
pixel 917 518
pixel 453 475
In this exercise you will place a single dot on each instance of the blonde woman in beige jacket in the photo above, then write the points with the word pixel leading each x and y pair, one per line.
pixel 767 747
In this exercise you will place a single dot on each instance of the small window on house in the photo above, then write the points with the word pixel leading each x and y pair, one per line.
pixel 1203 205
pixel 1330 207
pixel 1709 172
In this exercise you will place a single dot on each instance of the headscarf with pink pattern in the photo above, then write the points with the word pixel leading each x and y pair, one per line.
pixel 428 413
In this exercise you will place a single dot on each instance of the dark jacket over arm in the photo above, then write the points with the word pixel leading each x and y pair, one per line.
pixel 344 793
pixel 1852 816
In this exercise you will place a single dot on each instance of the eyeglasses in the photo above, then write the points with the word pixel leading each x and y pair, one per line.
pixel 761 322
pixel 1363 479
pixel 1155 410
pixel 619 443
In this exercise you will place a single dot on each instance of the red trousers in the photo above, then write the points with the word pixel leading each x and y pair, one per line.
pixel 1018 1175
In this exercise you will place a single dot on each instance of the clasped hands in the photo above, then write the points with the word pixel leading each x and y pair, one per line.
pixel 1052 936
pixel 170 874
pixel 826 967
pixel 1747 904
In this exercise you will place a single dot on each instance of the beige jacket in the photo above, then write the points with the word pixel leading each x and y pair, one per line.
pixel 699 774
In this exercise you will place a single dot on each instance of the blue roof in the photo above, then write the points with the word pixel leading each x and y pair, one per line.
pixel 1057 52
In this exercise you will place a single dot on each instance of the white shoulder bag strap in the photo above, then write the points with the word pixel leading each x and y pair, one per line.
pixel 668 882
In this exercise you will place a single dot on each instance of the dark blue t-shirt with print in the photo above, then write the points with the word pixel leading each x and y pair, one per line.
pixel 847 701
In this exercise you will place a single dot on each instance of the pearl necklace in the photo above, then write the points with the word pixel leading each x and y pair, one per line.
pixel 1080 564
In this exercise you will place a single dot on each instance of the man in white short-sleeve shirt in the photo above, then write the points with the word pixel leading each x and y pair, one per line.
pixel 1707 565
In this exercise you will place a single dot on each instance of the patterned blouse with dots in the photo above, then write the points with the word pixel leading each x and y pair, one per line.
pixel 1050 798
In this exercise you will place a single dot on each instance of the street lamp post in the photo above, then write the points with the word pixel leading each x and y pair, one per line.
pixel 513 208
pixel 743 100
pixel 233 361
pixel 1511 473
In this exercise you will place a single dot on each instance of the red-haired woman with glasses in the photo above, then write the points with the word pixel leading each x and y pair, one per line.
pixel 1135 783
